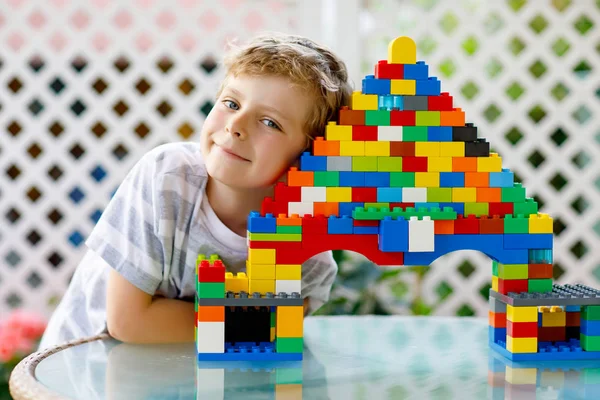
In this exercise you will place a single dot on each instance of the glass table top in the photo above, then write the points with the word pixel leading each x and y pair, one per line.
pixel 345 357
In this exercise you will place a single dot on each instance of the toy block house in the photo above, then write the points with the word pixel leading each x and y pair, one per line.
pixel 402 178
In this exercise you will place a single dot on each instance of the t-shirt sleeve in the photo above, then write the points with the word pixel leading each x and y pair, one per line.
pixel 126 233
pixel 318 275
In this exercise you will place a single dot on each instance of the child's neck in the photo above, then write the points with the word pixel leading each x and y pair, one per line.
pixel 232 206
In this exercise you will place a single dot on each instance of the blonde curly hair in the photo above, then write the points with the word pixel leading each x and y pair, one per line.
pixel 305 63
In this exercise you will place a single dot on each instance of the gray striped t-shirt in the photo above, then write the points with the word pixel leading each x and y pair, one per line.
pixel 151 232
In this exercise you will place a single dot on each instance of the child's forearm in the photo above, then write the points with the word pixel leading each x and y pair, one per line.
pixel 164 321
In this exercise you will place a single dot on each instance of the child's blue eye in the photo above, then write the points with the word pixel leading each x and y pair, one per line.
pixel 231 104
pixel 271 124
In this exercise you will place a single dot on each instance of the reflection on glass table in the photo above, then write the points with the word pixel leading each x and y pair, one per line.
pixel 344 358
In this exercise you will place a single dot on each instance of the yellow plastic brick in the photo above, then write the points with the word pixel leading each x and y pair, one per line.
pixel 352 148
pixel 495 283
pixel 337 132
pixel 402 50
pixel 439 164
pixel 427 179
pixel 493 163
pixel 554 318
pixel 290 321
pixel 262 285
pixel 378 148
pixel 261 256
pixel 403 87
pixel 521 314
pixel 540 223
pixel 361 101
pixel 236 283
pixel 288 271
pixel 260 271
pixel 464 195
pixel 452 149
pixel 428 149
pixel 339 194
pixel 521 345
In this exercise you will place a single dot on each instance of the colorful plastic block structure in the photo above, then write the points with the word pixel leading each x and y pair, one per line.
pixel 403 179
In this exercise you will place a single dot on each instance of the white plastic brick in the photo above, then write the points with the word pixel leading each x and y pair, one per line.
pixel 300 208
pixel 421 235
pixel 313 194
pixel 389 133
pixel 211 337
pixel 414 195
pixel 288 286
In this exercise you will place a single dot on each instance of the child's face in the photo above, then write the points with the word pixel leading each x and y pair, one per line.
pixel 255 131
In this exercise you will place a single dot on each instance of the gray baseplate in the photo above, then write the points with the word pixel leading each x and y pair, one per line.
pixel 269 300
pixel 561 295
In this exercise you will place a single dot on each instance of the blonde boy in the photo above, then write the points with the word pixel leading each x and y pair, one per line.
pixel 137 280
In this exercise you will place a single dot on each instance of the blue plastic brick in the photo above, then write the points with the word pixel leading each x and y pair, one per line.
pixel 341 225
pixel 573 308
pixel 347 208
pixel 313 163
pixel 459 208
pixel 439 133
pixel 249 351
pixel 452 179
pixel 385 103
pixel 366 230
pixel 506 178
pixel 537 256
pixel 420 70
pixel 398 102
pixel 497 334
pixel 258 224
pixel 550 353
pixel 389 194
pixel 371 85
pixel 393 235
pixel 352 179
pixel 491 245
pixel 590 328
pixel 377 179
pixel 428 87
pixel 528 241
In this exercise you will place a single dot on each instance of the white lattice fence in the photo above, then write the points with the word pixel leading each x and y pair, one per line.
pixel 86 88
pixel 526 73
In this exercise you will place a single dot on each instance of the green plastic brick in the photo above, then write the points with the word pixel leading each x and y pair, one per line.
pixel 377 118
pixel 288 376
pixel 289 345
pixel 327 179
pixel 591 313
pixel 518 224
pixel 439 195
pixel 494 268
pixel 513 271
pixel 427 118
pixel 364 164
pixel 389 164
pixel 211 290
pixel 515 194
pixel 539 285
pixel 414 133
pixel 528 207
pixel 477 209
pixel 377 206
pixel 590 343
pixel 402 179
pixel 375 214
pixel 289 229
pixel 275 237
pixel 273 319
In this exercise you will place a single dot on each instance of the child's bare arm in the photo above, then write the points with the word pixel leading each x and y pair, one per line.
pixel 136 317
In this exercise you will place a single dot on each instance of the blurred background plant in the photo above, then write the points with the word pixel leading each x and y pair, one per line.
pixel 362 287
pixel 19 336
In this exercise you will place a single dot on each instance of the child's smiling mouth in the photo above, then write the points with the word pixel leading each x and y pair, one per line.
pixel 230 153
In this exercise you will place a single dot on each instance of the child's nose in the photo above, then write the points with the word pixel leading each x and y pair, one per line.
pixel 236 127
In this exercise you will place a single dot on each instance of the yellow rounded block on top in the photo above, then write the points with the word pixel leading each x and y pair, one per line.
pixel 402 50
